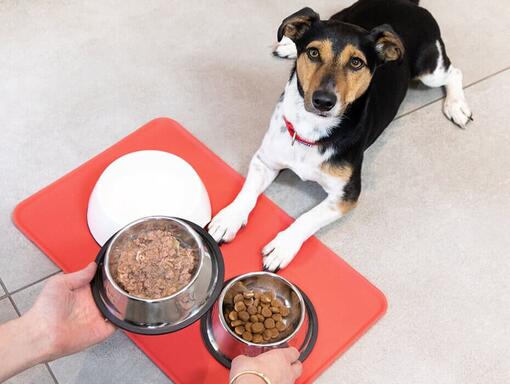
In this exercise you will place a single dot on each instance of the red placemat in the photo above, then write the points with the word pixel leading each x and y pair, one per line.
pixel 346 303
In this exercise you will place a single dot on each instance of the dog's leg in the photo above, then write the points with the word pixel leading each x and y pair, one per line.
pixel 224 226
pixel 282 249
pixel 285 49
pixel 445 74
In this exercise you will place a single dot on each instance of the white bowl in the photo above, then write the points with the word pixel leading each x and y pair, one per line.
pixel 146 183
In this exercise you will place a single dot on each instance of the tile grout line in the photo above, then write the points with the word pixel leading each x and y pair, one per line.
pixel 14 305
pixel 35 282
pixel 418 108
pixel 442 97
pixel 487 77
pixel 51 373
pixel 6 293
pixel 8 296
pixel 2 285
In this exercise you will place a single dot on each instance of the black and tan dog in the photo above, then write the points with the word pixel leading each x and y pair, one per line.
pixel 350 77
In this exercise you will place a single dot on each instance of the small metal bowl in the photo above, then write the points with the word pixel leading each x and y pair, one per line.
pixel 225 344
pixel 166 314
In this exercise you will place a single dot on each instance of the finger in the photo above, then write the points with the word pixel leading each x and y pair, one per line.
pixel 80 278
pixel 290 354
pixel 109 329
pixel 297 368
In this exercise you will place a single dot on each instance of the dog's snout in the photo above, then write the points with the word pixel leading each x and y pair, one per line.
pixel 323 100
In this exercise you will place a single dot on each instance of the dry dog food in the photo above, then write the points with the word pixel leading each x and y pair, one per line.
pixel 258 317
pixel 153 265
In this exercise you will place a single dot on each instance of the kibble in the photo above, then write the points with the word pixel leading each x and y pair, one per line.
pixel 258 339
pixel 280 326
pixel 239 306
pixel 266 312
pixel 248 302
pixel 247 336
pixel 257 328
pixel 257 316
pixel 269 323
pixel 265 299
pixel 238 297
pixel 244 316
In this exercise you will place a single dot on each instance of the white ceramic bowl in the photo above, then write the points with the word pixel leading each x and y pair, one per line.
pixel 146 183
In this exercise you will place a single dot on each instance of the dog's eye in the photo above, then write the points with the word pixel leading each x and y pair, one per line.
pixel 313 54
pixel 356 63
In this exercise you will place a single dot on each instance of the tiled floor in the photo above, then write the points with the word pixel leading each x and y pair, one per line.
pixel 431 229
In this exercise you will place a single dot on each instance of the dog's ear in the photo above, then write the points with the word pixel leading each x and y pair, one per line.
pixel 297 24
pixel 388 45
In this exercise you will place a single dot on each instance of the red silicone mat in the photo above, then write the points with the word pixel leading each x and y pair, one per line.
pixel 346 303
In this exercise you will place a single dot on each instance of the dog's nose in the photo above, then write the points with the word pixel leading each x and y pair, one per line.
pixel 323 100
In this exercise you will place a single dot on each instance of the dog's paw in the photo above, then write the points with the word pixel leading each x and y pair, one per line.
pixel 225 225
pixel 458 111
pixel 286 49
pixel 280 252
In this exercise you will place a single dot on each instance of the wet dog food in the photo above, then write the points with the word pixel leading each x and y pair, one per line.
pixel 258 316
pixel 153 265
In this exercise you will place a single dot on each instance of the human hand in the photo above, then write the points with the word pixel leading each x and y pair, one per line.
pixel 281 366
pixel 67 314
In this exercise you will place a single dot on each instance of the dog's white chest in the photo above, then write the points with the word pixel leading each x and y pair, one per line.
pixel 305 161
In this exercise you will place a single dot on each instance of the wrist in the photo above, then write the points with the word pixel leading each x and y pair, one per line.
pixel 250 377
pixel 21 346
pixel 34 340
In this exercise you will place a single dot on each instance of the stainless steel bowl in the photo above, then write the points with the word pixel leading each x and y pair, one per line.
pixel 228 344
pixel 166 314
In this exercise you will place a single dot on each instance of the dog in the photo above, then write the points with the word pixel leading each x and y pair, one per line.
pixel 350 76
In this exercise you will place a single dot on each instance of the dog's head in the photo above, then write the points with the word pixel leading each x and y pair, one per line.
pixel 336 61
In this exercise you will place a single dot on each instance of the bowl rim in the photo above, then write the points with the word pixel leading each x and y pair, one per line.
pixel 258 273
pixel 106 263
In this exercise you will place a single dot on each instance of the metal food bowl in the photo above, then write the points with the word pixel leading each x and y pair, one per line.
pixel 170 313
pixel 224 344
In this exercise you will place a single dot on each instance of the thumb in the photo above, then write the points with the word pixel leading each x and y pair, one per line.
pixel 80 278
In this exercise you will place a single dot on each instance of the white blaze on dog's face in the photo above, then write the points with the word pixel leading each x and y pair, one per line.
pixel 336 61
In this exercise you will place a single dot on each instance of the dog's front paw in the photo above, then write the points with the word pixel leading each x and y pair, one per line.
pixel 280 252
pixel 286 49
pixel 458 111
pixel 225 225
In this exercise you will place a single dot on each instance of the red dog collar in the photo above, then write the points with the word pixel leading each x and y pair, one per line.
pixel 295 136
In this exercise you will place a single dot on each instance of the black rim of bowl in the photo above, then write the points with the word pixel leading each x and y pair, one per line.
pixel 218 264
pixel 308 343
